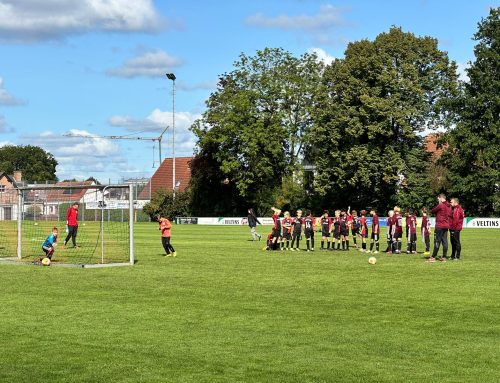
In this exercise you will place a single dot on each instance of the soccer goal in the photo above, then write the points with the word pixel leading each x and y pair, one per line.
pixel 104 234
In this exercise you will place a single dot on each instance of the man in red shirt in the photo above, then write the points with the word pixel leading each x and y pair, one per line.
pixel 411 223
pixel 442 211
pixel 457 219
pixel 72 223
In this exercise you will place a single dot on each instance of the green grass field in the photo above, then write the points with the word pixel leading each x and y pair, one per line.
pixel 226 311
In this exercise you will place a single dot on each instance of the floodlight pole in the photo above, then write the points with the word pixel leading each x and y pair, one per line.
pixel 172 77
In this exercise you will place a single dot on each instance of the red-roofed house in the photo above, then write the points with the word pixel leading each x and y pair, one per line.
pixel 430 143
pixel 162 179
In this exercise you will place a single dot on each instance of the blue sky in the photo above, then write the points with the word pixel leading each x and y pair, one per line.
pixel 97 67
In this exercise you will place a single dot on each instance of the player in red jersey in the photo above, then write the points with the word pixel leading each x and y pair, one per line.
pixel 344 231
pixel 72 224
pixel 326 230
pixel 309 223
pixel 397 231
pixel 375 231
pixel 363 229
pixel 286 224
pixel 390 228
pixel 411 223
pixel 457 219
pixel 426 231
pixel 297 224
pixel 276 233
pixel 355 227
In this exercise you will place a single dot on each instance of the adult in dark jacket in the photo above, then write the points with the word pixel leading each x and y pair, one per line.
pixel 252 223
pixel 442 211
pixel 457 219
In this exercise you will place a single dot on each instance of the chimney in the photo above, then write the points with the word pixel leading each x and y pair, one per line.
pixel 18 175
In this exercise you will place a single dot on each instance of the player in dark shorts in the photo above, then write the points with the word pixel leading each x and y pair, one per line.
pixel 286 224
pixel 336 230
pixel 326 229
pixel 297 223
pixel 397 232
pixel 276 233
pixel 309 222
pixel 426 231
pixel 355 227
pixel 390 228
pixel 344 231
pixel 363 230
pixel 411 223
pixel 375 231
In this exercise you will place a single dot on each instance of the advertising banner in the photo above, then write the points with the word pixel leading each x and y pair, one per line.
pixel 482 223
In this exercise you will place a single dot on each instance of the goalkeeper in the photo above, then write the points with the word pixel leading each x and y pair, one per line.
pixel 50 243
pixel 165 229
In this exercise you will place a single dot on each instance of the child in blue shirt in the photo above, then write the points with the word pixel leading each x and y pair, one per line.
pixel 50 243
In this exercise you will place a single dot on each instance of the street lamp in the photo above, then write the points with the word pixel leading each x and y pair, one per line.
pixel 172 77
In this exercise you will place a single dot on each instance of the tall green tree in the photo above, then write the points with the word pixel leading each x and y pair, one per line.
pixel 375 103
pixel 474 144
pixel 36 164
pixel 257 120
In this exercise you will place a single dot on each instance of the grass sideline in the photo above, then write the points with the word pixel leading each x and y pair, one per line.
pixel 226 311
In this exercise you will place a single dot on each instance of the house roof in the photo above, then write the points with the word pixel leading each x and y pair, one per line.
pixel 162 179
pixel 68 195
pixel 430 144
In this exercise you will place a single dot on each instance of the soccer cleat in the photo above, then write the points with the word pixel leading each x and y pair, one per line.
pixel 431 260
pixel 292 249
pixel 443 259
pixel 169 255
pixel 174 254
pixel 260 237
pixel 375 252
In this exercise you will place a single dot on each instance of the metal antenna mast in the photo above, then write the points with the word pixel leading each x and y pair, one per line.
pixel 159 139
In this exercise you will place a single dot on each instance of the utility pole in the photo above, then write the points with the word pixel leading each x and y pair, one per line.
pixel 172 77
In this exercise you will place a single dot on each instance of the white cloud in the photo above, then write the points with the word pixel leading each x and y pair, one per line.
pixel 4 127
pixel 322 55
pixel 462 72
pixel 149 64
pixel 156 122
pixel 36 20
pixel 6 98
pixel 327 17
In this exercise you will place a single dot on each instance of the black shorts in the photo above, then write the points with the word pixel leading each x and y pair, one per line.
pixel 355 232
pixel 336 235
pixel 397 235
pixel 296 234
pixel 375 236
pixel 413 237
pixel 325 234
pixel 276 233
pixel 345 233
pixel 287 235
pixel 309 233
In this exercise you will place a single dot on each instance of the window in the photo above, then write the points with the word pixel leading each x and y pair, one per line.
pixel 2 188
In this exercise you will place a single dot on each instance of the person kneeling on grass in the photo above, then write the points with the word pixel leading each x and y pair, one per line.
pixel 49 244
pixel 165 228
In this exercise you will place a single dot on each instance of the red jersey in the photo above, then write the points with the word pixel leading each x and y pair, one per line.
pixel 411 222
pixel 426 225
pixel 309 222
pixel 287 225
pixel 72 216
pixel 277 222
pixel 457 218
pixel 398 223
pixel 364 227
pixel 375 225
pixel 443 215
pixel 165 227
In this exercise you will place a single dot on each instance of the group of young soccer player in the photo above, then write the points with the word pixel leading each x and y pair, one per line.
pixel 336 231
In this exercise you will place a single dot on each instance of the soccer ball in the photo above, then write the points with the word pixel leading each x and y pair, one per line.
pixel 372 260
pixel 46 261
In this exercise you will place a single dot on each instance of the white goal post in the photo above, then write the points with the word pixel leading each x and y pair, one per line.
pixel 44 205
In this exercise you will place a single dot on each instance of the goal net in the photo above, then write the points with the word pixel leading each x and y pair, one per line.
pixel 103 236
